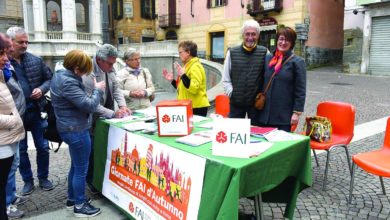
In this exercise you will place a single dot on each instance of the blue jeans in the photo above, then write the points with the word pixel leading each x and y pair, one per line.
pixel 79 150
pixel 11 183
pixel 33 122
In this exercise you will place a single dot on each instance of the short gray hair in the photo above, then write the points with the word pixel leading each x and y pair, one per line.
pixel 13 31
pixel 130 52
pixel 106 51
pixel 250 24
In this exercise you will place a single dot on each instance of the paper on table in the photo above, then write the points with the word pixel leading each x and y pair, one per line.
pixel 148 111
pixel 205 125
pixel 195 139
pixel 197 118
pixel 279 135
pixel 136 126
pixel 124 119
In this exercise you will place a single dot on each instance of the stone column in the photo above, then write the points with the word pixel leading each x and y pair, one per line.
pixel 28 18
pixel 39 14
pixel 105 22
pixel 95 26
pixel 366 42
pixel 69 27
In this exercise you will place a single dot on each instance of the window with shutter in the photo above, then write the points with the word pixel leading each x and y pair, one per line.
pixel 148 9
pixel 216 3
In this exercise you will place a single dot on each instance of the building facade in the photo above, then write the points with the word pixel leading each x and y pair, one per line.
pixel 376 41
pixel 11 14
pixel 215 25
pixel 57 26
pixel 132 21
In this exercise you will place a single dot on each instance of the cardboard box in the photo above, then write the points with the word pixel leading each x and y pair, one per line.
pixel 174 117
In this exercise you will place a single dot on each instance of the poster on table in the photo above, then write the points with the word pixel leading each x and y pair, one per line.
pixel 151 180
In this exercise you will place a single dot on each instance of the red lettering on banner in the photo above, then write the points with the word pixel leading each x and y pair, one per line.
pixel 169 199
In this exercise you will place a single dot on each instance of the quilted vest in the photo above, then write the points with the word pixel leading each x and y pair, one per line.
pixel 247 69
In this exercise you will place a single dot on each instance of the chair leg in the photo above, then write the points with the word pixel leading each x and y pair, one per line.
pixel 315 157
pixel 348 158
pixel 326 169
pixel 351 184
pixel 383 186
pixel 259 207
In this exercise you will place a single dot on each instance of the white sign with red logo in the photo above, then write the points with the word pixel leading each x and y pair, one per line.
pixel 172 121
pixel 230 135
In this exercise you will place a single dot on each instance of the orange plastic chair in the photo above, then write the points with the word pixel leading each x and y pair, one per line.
pixel 376 162
pixel 342 116
pixel 222 106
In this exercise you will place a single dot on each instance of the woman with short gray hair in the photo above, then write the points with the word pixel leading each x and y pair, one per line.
pixel 135 81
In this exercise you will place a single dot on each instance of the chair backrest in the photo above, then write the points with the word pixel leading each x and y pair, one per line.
pixel 386 143
pixel 342 116
pixel 222 105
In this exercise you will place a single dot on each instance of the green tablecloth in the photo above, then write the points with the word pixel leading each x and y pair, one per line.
pixel 279 174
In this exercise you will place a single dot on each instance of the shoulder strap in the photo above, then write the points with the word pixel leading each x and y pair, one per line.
pixel 146 82
pixel 273 75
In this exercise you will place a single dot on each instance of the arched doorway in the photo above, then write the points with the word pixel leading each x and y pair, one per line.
pixel 171 35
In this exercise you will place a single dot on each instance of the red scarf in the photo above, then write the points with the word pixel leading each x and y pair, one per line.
pixel 276 61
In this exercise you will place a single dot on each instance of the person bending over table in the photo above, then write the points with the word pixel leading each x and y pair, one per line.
pixel 135 81
pixel 191 79
pixel 73 108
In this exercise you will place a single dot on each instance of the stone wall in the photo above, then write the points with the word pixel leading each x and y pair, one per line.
pixel 352 56
pixel 316 56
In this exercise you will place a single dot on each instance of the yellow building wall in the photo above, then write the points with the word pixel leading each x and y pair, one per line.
pixel 135 27
pixel 200 33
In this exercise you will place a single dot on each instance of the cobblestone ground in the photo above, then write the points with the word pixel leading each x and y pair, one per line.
pixel 370 95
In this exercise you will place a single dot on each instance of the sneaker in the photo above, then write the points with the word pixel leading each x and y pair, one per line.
pixel 28 188
pixel 19 200
pixel 13 212
pixel 87 210
pixel 46 185
pixel 70 204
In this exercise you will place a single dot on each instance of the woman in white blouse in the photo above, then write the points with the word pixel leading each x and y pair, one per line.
pixel 135 81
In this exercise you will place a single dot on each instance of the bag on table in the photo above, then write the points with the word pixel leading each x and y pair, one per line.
pixel 318 128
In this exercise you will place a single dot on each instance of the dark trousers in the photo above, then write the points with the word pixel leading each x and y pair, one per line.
pixel 286 128
pixel 242 112
pixel 200 111
pixel 5 167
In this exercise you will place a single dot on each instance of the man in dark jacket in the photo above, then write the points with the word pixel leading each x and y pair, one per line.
pixel 243 71
pixel 34 77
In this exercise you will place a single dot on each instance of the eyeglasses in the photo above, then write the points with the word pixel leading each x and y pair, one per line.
pixel 281 39
pixel 134 59
pixel 22 42
pixel 108 62
pixel 250 34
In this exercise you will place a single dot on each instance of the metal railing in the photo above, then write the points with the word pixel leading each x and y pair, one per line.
pixel 169 20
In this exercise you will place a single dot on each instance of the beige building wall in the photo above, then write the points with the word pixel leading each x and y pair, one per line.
pixel 132 29
pixel 11 13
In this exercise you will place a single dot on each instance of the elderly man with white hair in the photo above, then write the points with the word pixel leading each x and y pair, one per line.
pixel 244 72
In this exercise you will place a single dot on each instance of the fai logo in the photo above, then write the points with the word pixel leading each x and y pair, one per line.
pixel 221 137
pixel 166 118
pixel 131 207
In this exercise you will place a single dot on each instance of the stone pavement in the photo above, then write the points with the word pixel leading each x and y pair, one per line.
pixel 368 94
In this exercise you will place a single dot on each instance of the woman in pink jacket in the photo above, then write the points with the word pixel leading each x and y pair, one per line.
pixel 11 132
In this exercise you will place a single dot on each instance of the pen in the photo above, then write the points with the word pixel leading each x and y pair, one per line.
pixel 255 141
